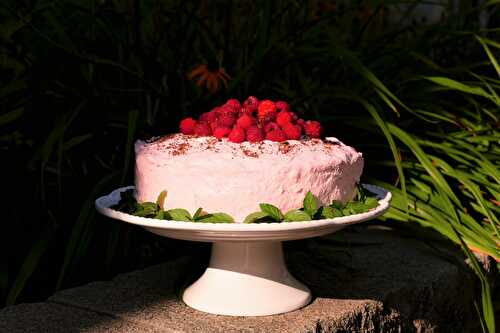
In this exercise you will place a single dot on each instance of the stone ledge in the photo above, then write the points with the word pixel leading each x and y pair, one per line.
pixel 363 279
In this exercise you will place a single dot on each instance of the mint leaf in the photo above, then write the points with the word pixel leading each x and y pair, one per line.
pixel 361 195
pixel 127 203
pixel 146 209
pixel 163 215
pixel 354 207
pixel 327 212
pixel 357 207
pixel 199 213
pixel 161 199
pixel 337 205
pixel 310 204
pixel 216 218
pixel 296 215
pixel 179 214
pixel 256 217
pixel 273 211
pixel 371 202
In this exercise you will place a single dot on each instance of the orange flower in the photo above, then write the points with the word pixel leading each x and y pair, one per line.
pixel 213 79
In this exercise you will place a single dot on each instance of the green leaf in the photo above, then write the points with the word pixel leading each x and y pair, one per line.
pixel 146 209
pixel 484 42
pixel 179 214
pixel 199 213
pixel 216 218
pixel 161 199
pixel 297 215
pixel 273 211
pixel 327 212
pixel 256 217
pixel 455 85
pixel 357 207
pixel 73 252
pixel 11 116
pixel 127 203
pixel 132 124
pixel 337 205
pixel 346 211
pixel 31 262
pixel 310 204
pixel 163 215
pixel 371 202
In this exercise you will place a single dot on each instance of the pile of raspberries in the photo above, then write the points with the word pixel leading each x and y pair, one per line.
pixel 251 121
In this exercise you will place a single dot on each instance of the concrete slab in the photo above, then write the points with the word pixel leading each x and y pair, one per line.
pixel 363 280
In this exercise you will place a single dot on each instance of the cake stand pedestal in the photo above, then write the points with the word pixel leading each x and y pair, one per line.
pixel 249 279
pixel 247 275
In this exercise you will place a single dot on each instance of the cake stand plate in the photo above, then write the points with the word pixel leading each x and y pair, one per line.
pixel 247 275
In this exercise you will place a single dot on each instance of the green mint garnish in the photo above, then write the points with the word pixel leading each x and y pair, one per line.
pixel 310 204
pixel 327 212
pixel 161 199
pixel 198 214
pixel 273 211
pixel 371 202
pixel 146 209
pixel 269 213
pixel 257 217
pixel 296 215
pixel 337 205
pixel 179 214
pixel 216 218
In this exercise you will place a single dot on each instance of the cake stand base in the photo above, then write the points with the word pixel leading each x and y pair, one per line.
pixel 247 279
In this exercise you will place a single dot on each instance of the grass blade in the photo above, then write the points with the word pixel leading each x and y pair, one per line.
pixel 132 125
pixel 82 223
pixel 28 267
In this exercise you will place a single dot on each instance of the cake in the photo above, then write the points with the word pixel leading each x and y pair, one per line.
pixel 233 171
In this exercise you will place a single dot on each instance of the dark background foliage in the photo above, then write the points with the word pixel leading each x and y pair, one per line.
pixel 82 79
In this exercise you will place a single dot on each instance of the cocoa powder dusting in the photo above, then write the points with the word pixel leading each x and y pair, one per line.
pixel 250 153
pixel 180 148
pixel 284 147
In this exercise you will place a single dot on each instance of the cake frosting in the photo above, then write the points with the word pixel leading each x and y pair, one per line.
pixel 222 176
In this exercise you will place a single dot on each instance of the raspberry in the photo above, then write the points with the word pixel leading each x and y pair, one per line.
pixel 214 125
pixel 255 134
pixel 208 117
pixel 246 110
pixel 292 131
pixel 266 110
pixel 283 118
pixel 313 129
pixel 234 103
pixel 226 120
pixel 276 135
pixel 271 127
pixel 251 103
pixel 202 129
pixel 245 121
pixel 221 132
pixel 282 106
pixel 301 123
pixel 294 116
pixel 187 125
pixel 226 110
pixel 237 135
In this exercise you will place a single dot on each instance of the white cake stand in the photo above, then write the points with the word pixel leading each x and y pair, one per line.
pixel 247 275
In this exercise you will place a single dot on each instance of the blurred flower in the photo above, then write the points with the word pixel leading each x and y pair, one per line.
pixel 211 78
pixel 319 8
pixel 367 11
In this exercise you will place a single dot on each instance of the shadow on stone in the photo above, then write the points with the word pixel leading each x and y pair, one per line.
pixel 363 279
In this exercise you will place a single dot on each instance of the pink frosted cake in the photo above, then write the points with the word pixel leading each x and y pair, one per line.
pixel 232 169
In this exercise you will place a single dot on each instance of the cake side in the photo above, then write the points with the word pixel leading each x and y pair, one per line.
pixel 219 175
